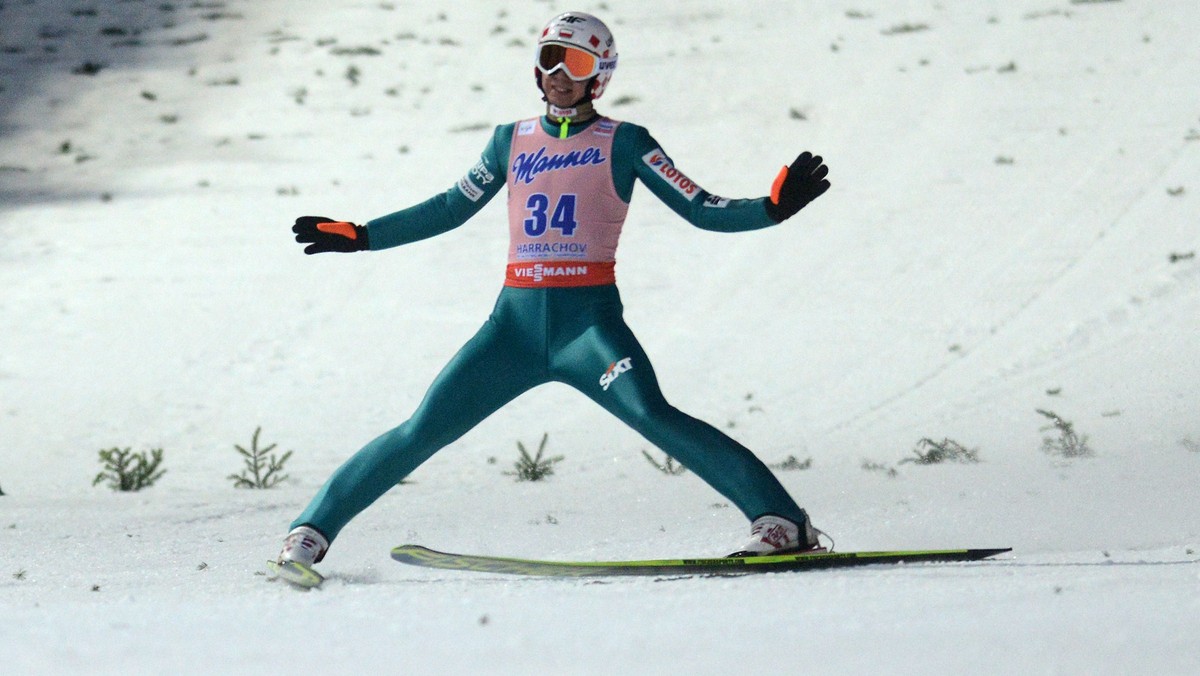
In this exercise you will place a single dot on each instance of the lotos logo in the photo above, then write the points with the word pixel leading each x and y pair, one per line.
pixel 527 166
pixel 615 369
pixel 658 161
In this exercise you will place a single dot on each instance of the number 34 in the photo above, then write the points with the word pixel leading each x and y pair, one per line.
pixel 562 218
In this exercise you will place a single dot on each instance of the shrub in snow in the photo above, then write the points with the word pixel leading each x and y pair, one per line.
pixel 793 464
pixel 1068 443
pixel 125 470
pixel 263 468
pixel 534 467
pixel 930 452
pixel 872 466
pixel 668 466
pixel 901 29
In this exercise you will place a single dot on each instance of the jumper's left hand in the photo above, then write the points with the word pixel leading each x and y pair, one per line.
pixel 796 186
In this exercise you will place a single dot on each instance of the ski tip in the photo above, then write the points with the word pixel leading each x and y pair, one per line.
pixel 407 552
pixel 296 574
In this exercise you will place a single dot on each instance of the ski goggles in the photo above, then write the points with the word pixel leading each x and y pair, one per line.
pixel 578 64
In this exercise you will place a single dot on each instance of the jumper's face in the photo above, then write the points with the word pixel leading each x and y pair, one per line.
pixel 561 90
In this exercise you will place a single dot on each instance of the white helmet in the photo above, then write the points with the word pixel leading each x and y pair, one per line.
pixel 579 31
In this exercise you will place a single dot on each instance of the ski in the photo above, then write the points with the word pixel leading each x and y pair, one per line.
pixel 296 573
pixel 417 555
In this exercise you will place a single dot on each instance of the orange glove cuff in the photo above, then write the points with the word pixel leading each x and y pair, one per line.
pixel 778 184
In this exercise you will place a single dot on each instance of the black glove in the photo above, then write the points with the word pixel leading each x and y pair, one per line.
pixel 325 234
pixel 796 186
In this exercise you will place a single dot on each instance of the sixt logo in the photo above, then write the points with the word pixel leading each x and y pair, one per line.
pixel 658 161
pixel 615 369
pixel 527 166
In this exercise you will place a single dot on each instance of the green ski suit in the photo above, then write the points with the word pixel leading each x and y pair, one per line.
pixel 574 335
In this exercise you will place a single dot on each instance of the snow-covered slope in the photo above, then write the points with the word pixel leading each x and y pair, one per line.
pixel 1013 227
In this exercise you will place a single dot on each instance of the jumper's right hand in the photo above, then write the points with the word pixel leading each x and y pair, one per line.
pixel 325 234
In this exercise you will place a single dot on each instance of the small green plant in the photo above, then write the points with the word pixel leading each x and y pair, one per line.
pixel 263 468
pixel 793 464
pixel 668 466
pixel 930 452
pixel 900 29
pixel 127 471
pixel 534 467
pixel 1068 443
pixel 871 466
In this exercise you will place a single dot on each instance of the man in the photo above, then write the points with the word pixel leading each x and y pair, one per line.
pixel 570 177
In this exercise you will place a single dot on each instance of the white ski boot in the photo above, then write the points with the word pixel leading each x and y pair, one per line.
pixel 302 547
pixel 770 535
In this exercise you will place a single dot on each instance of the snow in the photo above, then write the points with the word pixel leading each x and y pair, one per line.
pixel 1012 227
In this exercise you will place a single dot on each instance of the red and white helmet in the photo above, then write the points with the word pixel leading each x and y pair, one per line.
pixel 596 60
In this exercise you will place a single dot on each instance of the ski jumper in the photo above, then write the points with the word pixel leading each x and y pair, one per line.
pixel 559 316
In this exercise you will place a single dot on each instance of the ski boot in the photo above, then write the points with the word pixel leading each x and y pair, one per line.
pixel 771 535
pixel 302 548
